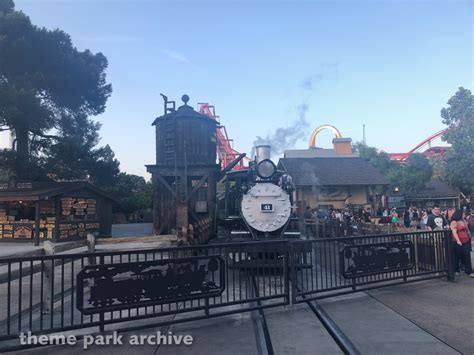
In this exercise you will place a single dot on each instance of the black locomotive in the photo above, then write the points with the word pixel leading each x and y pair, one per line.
pixel 257 203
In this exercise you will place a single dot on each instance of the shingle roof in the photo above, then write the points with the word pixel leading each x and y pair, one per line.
pixel 43 190
pixel 332 171
pixel 435 189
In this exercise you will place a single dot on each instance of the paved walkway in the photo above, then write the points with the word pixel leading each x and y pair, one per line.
pixel 18 249
pixel 439 307
pixel 15 249
pixel 377 329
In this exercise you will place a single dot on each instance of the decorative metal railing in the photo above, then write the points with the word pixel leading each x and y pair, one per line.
pixel 46 294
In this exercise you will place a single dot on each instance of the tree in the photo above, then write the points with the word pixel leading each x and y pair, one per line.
pixel 379 159
pixel 415 173
pixel 411 176
pixel 132 192
pixel 47 87
pixel 459 161
pixel 74 156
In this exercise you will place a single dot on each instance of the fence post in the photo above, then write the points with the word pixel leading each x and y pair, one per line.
pixel 415 244
pixel 292 274
pixel 191 234
pixel 316 227
pixel 354 284
pixel 49 249
pixel 101 315
pixel 91 248
pixel 449 255
pixel 206 309
pixel 184 235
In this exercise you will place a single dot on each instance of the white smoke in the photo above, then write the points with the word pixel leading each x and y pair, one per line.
pixel 285 137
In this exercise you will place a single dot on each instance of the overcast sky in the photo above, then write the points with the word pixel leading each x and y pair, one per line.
pixel 273 64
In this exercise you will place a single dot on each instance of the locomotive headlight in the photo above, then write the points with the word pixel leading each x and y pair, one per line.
pixel 266 169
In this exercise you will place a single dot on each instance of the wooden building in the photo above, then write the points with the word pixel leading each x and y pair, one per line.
pixel 56 211
pixel 435 192
pixel 185 173
pixel 333 178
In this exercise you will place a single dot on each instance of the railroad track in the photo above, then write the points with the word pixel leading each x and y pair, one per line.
pixel 263 334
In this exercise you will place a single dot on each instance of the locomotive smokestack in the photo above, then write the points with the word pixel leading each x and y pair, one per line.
pixel 262 152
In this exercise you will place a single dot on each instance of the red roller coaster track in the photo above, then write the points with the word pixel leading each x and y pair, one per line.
pixel 225 152
pixel 427 141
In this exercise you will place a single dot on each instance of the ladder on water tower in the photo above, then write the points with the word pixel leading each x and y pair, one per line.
pixel 170 138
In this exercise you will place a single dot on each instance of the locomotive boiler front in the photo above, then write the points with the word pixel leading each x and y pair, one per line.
pixel 266 207
pixel 266 204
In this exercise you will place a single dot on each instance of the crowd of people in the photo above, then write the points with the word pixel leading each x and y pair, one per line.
pixel 459 221
pixel 344 220
pixel 431 218
pixel 461 224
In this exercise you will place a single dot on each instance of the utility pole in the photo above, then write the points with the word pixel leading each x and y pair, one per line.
pixel 363 133
pixel 363 139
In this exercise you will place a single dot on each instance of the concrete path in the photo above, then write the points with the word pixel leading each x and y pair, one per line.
pixel 233 334
pixel 444 309
pixel 297 331
pixel 118 230
pixel 376 329
pixel 19 249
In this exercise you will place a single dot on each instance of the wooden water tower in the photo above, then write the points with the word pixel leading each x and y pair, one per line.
pixel 184 176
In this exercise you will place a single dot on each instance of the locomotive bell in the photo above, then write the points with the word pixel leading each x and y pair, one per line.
pixel 262 152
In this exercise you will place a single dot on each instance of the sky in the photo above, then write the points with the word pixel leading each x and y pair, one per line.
pixel 273 69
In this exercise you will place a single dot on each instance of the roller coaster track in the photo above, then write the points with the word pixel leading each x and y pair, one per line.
pixel 425 142
pixel 225 152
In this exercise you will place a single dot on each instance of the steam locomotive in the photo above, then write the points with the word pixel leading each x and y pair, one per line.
pixel 257 202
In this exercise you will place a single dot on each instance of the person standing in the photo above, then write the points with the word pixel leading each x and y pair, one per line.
pixel 449 213
pixel 415 219
pixel 470 222
pixel 338 223
pixel 406 218
pixel 462 240
pixel 436 220
pixel 395 219
pixel 423 219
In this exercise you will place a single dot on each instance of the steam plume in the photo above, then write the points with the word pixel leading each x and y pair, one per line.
pixel 285 137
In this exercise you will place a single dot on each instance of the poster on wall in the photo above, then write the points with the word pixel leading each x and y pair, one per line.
pixel 333 193
pixel 23 232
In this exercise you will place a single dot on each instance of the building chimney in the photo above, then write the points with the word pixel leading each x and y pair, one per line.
pixel 342 146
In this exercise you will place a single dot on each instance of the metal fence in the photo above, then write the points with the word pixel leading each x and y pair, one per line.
pixel 334 266
pixel 40 294
pixel 46 294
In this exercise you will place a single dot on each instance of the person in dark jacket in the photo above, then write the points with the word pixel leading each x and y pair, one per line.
pixel 406 218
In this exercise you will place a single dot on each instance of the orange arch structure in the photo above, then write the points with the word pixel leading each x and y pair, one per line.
pixel 312 139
